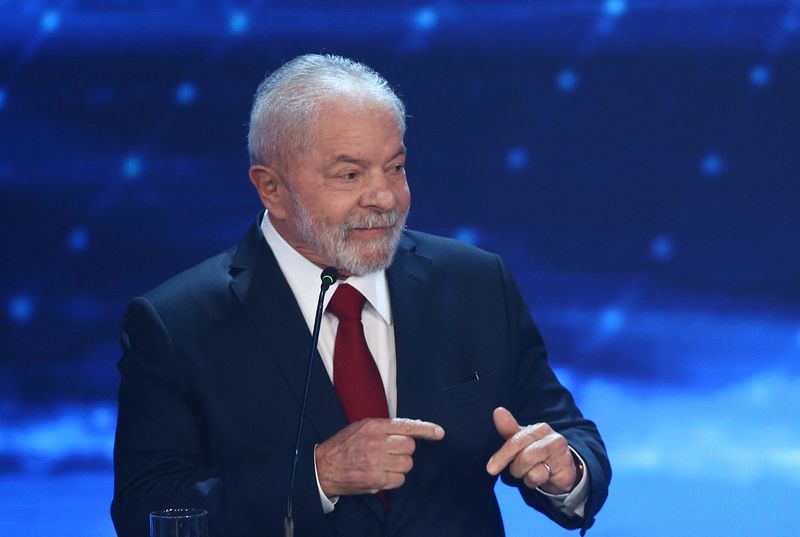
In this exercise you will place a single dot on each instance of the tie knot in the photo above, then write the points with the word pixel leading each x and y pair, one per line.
pixel 347 303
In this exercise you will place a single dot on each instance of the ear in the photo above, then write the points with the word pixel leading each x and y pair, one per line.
pixel 271 189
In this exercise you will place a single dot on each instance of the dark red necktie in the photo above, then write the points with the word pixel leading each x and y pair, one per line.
pixel 356 378
pixel 355 375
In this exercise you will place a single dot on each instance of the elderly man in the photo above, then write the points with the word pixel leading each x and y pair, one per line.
pixel 431 378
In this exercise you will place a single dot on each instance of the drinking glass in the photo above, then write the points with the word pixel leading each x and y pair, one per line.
pixel 187 522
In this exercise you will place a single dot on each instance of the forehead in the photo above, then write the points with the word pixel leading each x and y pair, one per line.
pixel 355 126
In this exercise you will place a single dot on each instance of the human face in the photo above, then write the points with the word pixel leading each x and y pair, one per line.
pixel 349 197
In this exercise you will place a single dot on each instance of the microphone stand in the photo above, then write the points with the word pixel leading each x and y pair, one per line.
pixel 328 277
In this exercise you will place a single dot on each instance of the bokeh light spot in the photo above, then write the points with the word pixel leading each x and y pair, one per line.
pixel 517 159
pixel 238 23
pixel 713 165
pixel 760 76
pixel 612 320
pixel 567 80
pixel 2 98
pixel 20 308
pixel 78 240
pixel 426 18
pixel 467 234
pixel 132 166
pixel 50 20
pixel 103 417
pixel 185 93
pixel 662 248
pixel 615 8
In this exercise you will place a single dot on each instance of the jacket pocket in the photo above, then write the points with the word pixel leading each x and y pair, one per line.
pixel 466 392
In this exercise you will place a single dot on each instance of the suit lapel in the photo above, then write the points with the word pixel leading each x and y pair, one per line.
pixel 270 304
pixel 416 337
pixel 413 328
pixel 406 278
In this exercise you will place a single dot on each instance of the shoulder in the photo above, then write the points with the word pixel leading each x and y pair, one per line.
pixel 207 283
pixel 194 299
pixel 207 277
pixel 450 254
pixel 453 266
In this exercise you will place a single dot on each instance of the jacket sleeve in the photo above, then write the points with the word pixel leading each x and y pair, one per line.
pixel 161 457
pixel 538 396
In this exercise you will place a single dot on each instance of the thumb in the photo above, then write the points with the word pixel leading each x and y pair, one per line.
pixel 505 423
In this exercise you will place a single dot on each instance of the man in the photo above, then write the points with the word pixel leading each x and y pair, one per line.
pixel 431 377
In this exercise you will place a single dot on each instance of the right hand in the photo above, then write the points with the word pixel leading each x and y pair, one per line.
pixel 370 455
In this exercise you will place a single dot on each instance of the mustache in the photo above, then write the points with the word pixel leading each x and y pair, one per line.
pixel 372 220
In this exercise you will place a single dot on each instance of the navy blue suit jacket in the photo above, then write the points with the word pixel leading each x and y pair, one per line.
pixel 213 368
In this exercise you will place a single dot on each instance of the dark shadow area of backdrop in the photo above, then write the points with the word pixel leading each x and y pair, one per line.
pixel 635 163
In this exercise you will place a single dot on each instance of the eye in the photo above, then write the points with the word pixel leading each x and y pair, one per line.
pixel 350 176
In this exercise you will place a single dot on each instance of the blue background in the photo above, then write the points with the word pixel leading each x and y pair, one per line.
pixel 635 162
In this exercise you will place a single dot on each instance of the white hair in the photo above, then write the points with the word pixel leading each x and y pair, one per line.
pixel 290 99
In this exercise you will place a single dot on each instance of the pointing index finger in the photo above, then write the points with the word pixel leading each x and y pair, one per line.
pixel 415 428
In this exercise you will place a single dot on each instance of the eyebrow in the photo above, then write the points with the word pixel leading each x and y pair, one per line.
pixel 362 162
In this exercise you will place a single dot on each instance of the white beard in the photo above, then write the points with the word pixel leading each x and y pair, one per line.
pixel 335 245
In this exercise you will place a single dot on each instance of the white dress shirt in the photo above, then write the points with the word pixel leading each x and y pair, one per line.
pixel 303 277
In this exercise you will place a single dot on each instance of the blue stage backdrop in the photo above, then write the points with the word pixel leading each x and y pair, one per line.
pixel 635 162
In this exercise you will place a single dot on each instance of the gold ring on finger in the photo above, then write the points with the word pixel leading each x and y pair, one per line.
pixel 549 470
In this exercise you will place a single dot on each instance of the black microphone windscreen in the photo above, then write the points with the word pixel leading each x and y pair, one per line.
pixel 329 276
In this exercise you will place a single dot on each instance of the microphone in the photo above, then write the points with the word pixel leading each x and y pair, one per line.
pixel 329 276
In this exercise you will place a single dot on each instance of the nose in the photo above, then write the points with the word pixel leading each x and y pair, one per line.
pixel 379 193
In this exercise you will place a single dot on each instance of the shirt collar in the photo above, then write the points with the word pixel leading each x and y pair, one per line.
pixel 303 278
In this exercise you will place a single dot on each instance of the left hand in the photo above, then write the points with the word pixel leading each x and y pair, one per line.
pixel 527 450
